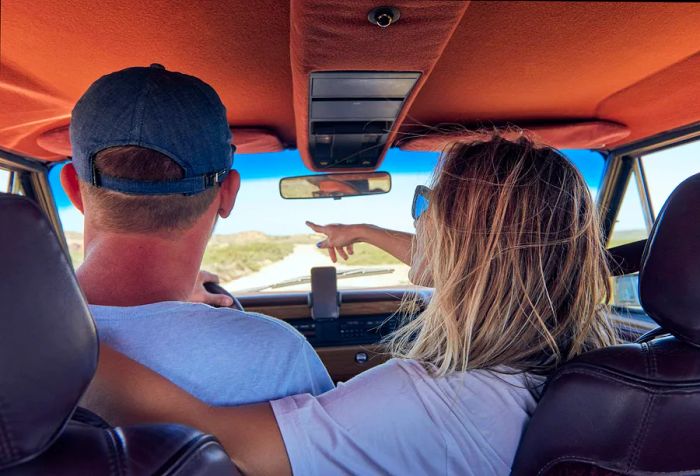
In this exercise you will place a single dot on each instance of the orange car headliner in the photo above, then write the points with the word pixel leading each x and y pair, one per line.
pixel 633 65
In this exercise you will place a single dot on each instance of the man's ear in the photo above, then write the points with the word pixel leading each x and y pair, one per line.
pixel 69 181
pixel 228 193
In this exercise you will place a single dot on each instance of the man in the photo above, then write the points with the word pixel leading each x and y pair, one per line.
pixel 151 172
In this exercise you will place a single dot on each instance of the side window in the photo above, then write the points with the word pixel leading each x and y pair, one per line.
pixel 630 225
pixel 10 182
pixel 664 170
pixel 653 179
pixel 71 218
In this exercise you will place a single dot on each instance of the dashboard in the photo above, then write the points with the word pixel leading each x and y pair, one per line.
pixel 349 343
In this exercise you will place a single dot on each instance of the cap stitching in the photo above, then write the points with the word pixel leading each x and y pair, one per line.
pixel 140 109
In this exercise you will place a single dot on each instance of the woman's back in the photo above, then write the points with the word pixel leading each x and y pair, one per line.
pixel 398 419
pixel 509 238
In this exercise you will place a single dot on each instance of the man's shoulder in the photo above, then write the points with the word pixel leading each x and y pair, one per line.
pixel 263 321
pixel 220 355
pixel 199 315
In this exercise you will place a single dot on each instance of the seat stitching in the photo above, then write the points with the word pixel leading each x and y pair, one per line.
pixel 183 456
pixel 654 364
pixel 611 466
pixel 604 374
pixel 6 444
pixel 637 442
pixel 191 460
pixel 567 458
pixel 645 351
pixel 650 408
pixel 111 456
pixel 611 379
pixel 120 450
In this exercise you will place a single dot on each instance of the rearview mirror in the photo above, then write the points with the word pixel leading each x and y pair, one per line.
pixel 335 186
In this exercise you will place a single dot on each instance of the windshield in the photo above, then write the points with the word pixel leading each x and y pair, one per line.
pixel 265 246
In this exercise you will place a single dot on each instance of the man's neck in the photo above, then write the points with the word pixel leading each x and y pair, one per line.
pixel 131 270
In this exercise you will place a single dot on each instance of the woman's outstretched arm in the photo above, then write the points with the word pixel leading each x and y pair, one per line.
pixel 125 392
pixel 340 239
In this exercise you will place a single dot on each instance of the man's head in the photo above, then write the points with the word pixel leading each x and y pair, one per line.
pixel 151 153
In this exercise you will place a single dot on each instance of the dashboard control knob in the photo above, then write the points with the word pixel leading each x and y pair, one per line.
pixel 361 357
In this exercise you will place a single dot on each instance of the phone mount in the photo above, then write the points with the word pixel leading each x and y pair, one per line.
pixel 324 298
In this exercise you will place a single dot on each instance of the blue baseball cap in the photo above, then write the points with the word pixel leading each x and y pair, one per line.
pixel 178 115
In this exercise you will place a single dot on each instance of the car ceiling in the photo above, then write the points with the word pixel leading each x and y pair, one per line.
pixel 634 64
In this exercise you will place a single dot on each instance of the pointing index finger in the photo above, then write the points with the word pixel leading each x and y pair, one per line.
pixel 315 227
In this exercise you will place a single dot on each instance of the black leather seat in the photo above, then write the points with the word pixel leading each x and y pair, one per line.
pixel 48 355
pixel 634 408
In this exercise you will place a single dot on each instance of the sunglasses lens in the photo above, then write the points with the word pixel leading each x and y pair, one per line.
pixel 421 206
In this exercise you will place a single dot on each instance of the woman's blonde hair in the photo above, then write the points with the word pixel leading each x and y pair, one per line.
pixel 513 247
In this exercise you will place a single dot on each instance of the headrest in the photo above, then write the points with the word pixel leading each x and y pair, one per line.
pixel 669 277
pixel 48 341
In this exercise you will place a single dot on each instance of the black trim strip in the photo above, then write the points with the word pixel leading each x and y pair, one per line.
pixel 626 259
pixel 615 178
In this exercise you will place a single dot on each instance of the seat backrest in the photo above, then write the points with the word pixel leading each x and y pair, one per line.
pixel 633 408
pixel 48 355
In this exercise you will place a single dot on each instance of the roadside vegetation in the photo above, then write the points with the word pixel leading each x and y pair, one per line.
pixel 233 260
pixel 622 237
pixel 236 255
pixel 75 247
pixel 368 255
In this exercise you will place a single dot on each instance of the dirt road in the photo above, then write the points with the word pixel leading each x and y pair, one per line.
pixel 300 262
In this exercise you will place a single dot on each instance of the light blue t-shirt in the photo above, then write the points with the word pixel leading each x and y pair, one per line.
pixel 221 356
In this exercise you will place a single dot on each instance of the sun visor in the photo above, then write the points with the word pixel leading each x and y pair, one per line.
pixel 354 76
pixel 247 141
pixel 577 135
pixel 255 141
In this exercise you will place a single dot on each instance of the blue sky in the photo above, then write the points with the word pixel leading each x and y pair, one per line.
pixel 259 206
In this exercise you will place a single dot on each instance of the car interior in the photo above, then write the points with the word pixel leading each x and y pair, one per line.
pixel 351 92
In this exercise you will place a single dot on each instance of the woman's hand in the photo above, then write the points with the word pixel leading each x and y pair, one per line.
pixel 200 294
pixel 339 238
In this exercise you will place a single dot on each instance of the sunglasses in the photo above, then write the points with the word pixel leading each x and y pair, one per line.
pixel 421 200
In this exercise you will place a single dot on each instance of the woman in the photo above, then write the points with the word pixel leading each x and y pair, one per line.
pixel 509 238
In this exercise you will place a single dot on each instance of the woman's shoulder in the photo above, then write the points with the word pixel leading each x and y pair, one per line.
pixel 398 373
pixel 391 374
pixel 516 391
pixel 414 369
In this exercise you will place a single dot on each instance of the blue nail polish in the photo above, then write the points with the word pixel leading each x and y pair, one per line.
pixel 318 245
